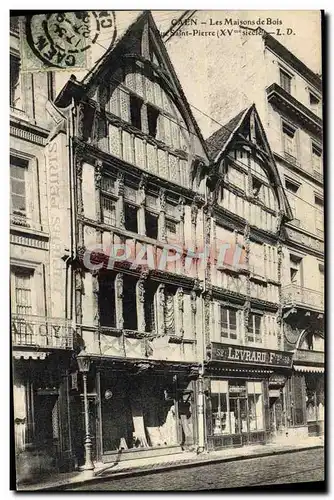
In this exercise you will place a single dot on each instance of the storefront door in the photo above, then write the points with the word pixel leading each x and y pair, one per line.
pixel 239 410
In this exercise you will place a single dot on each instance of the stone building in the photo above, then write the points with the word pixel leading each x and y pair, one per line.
pixel 41 333
pixel 258 69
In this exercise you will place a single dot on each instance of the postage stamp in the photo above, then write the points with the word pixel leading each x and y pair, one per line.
pixel 63 41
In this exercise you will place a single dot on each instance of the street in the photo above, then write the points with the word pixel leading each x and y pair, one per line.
pixel 295 467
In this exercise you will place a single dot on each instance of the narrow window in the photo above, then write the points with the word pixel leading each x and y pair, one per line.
pixel 255 328
pixel 152 120
pixel 292 188
pixel 22 299
pixel 314 102
pixel 149 307
pixel 135 111
pixel 151 223
pixel 130 216
pixel 289 140
pixel 18 189
pixel 106 301
pixel 129 303
pixel 316 158
pixel 15 83
pixel 285 81
pixel 228 323
pixel 108 211
pixel 256 187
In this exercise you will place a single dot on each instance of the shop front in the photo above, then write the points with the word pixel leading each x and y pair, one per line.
pixel 244 402
pixel 137 409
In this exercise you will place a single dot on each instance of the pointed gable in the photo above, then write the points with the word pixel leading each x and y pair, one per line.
pixel 243 144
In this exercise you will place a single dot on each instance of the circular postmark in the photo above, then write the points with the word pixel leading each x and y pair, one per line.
pixel 61 40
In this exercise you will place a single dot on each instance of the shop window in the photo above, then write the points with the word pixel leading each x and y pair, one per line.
pixel 151 224
pixel 106 301
pixel 255 328
pixel 228 323
pixel 220 407
pixel 289 141
pixel 15 82
pixel 130 217
pixel 135 111
pixel 152 120
pixel 108 210
pixel 21 290
pixel 255 406
pixel 285 81
pixel 129 302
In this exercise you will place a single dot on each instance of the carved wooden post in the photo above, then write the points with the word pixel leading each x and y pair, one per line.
pixel 179 309
pixel 193 304
pixel 140 300
pixel 141 198
pixel 162 215
pixel 194 212
pixel 97 179
pixel 120 202
pixel 161 309
pixel 181 212
pixel 119 300
pixel 80 207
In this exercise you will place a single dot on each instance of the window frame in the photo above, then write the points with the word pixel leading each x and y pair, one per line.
pixel 292 128
pixel 283 73
pixel 229 309
pixel 15 55
pixel 254 339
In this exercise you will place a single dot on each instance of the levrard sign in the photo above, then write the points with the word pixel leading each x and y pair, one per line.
pixel 250 355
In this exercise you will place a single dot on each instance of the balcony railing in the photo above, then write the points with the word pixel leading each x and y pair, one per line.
pixel 41 332
pixel 301 296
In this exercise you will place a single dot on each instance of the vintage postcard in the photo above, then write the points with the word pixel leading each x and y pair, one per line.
pixel 167 250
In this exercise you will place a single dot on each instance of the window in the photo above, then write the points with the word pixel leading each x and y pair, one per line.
pixel 295 270
pixel 135 111
pixel 292 187
pixel 228 323
pixel 22 293
pixel 314 102
pixel 319 215
pixel 108 211
pixel 256 187
pixel 152 120
pixel 171 229
pixel 289 140
pixel 15 82
pixel 220 407
pixel 18 187
pixel 130 217
pixel 129 302
pixel 316 158
pixel 149 309
pixel 255 328
pixel 151 224
pixel 106 301
pixel 285 81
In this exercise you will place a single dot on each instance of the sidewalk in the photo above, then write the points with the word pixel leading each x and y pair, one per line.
pixel 181 460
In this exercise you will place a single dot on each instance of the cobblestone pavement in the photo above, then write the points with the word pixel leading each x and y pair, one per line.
pixel 295 467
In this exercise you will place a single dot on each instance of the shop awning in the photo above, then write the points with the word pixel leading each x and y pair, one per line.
pixel 309 369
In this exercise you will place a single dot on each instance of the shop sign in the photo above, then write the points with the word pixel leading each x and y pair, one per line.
pixel 250 355
pixel 276 379
pixel 237 389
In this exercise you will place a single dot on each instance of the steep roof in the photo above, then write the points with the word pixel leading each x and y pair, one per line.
pixel 219 139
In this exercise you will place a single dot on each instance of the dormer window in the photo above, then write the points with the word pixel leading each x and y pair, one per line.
pixel 256 187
